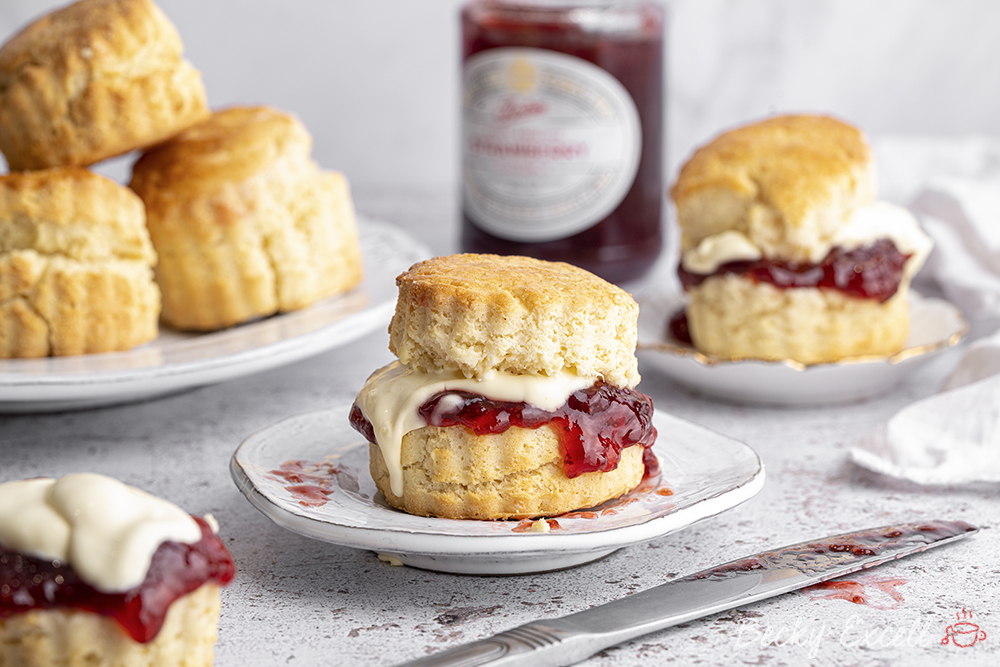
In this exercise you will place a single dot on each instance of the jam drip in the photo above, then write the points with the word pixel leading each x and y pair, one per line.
pixel 360 424
pixel 678 329
pixel 176 569
pixel 593 426
pixel 869 272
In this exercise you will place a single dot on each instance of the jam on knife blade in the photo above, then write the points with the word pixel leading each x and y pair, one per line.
pixel 570 639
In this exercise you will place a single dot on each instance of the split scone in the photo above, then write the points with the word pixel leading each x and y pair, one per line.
pixel 76 272
pixel 785 255
pixel 244 222
pixel 95 572
pixel 93 80
pixel 513 394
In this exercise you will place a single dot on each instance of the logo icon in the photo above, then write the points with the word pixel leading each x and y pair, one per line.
pixel 964 633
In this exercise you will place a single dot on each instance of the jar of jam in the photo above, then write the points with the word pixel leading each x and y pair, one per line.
pixel 562 132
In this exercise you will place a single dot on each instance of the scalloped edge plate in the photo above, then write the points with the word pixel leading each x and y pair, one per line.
pixel 936 325
pixel 703 473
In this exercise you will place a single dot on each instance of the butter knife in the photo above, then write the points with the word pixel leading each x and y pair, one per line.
pixel 570 639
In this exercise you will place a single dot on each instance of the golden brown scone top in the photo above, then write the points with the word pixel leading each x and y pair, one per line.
pixel 505 281
pixel 93 80
pixel 483 313
pixel 233 144
pixel 792 166
pixel 72 212
pixel 103 37
pixel 787 157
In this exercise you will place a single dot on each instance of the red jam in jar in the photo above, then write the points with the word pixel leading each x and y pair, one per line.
pixel 562 118
pixel 593 426
pixel 176 569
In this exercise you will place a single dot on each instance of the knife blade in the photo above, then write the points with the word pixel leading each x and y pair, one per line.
pixel 570 639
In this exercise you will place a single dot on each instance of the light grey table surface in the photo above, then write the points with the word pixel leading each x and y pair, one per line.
pixel 298 601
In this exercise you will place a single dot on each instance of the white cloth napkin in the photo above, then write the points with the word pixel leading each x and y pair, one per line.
pixel 952 437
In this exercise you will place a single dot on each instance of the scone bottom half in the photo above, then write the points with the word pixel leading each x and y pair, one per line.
pixel 95 572
pixel 76 265
pixel 785 253
pixel 479 419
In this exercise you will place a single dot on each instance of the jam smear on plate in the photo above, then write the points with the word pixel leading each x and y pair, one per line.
pixel 28 583
pixel 593 426
pixel 870 272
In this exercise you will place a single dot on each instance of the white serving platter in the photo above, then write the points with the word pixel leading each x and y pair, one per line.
pixel 178 361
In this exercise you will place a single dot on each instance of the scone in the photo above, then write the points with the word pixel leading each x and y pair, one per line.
pixel 93 80
pixel 95 572
pixel 513 394
pixel 76 264
pixel 785 253
pixel 244 222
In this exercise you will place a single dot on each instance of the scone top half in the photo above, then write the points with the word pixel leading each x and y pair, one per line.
pixel 479 314
pixel 92 80
pixel 234 144
pixel 787 183
pixel 789 188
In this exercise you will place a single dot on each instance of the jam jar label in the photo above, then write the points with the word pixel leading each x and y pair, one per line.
pixel 551 143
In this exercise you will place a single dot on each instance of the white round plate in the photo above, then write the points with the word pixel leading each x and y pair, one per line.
pixel 936 325
pixel 177 361
pixel 309 474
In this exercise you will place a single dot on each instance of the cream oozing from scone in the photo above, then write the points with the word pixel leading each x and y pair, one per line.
pixel 879 220
pixel 107 531
pixel 718 249
pixel 393 394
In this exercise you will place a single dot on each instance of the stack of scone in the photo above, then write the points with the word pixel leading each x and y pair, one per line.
pixel 785 253
pixel 98 573
pixel 513 394
pixel 87 82
pixel 245 224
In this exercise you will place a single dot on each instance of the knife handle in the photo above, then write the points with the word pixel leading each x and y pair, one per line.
pixel 507 648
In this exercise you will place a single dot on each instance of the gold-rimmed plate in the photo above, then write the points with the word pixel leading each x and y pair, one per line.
pixel 936 325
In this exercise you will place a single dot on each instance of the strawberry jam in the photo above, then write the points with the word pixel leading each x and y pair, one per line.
pixel 678 328
pixel 870 272
pixel 176 569
pixel 593 426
